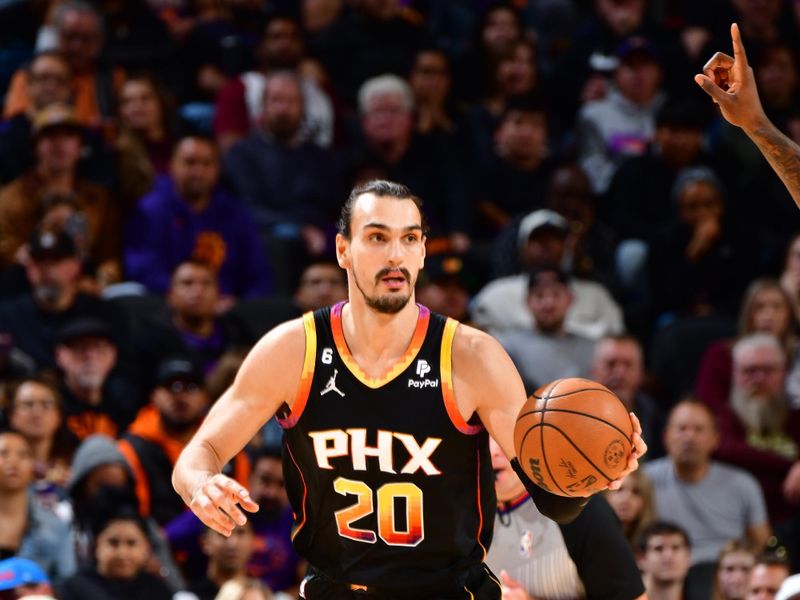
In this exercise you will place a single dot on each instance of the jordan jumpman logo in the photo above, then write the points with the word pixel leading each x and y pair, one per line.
pixel 331 385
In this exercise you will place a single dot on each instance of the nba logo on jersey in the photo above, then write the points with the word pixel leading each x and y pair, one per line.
pixel 526 544
pixel 423 368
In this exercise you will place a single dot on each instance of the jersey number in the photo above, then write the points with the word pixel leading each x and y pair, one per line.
pixel 387 525
pixel 327 356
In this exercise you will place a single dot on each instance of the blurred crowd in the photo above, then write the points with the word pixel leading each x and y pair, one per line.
pixel 171 173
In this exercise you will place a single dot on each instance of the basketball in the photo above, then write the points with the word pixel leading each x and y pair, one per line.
pixel 573 436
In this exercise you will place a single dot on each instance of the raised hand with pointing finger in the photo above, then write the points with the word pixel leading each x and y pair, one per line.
pixel 731 84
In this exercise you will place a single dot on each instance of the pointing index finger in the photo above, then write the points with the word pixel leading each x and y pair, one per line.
pixel 739 55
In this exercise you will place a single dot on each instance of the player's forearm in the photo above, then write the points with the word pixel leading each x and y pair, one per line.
pixel 781 153
pixel 197 464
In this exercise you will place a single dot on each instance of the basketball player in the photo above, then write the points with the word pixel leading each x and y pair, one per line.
pixel 387 410
pixel 730 82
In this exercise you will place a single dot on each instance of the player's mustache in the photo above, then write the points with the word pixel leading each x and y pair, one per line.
pixel 385 272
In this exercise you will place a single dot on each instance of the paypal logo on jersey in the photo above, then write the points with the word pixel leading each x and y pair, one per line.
pixel 423 368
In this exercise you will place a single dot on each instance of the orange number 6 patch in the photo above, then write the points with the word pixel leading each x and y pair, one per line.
pixel 387 525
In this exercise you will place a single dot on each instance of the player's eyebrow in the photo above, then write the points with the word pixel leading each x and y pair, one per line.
pixel 383 226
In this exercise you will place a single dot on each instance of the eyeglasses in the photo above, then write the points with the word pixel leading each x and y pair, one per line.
pixel 29 405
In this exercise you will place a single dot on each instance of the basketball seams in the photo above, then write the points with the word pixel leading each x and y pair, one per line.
pixel 576 412
pixel 571 443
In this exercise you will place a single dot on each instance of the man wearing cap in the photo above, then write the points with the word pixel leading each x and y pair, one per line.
pixel 547 351
pixel 542 239
pixel 22 578
pixel 178 404
pixel 622 123
pixel 445 286
pixel 94 400
pixel 52 195
pixel 53 271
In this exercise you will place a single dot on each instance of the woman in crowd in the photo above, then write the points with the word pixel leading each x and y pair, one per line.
pixel 634 505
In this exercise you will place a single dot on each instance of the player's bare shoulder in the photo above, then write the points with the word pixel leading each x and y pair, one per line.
pixel 479 360
pixel 275 363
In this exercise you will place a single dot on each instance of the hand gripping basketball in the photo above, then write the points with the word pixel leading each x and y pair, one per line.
pixel 216 504
pixel 575 437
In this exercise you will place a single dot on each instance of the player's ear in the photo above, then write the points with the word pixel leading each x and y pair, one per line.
pixel 342 251
pixel 424 252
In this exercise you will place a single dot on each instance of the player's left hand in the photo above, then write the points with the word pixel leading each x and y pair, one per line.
pixel 512 589
pixel 639 449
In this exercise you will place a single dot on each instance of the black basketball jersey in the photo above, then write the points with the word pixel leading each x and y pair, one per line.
pixel 390 487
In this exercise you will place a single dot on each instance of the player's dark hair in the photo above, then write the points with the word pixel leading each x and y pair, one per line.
pixel 382 189
pixel 661 528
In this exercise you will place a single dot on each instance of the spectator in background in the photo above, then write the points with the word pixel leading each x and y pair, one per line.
pixel 430 81
pixel 29 530
pixel 386 107
pixel 33 318
pixel 100 475
pixel 592 241
pixel 145 140
pixel 542 239
pixel 189 215
pixel 96 398
pixel 766 577
pixel 766 308
pixel 676 145
pixel 227 559
pixel 49 79
pixel 499 28
pixel 240 103
pixel 79 34
pixel 154 440
pixel 701 262
pixel 536 558
pixel 515 177
pixel 190 325
pixel 121 553
pixel 513 73
pixel 290 184
pixel 371 38
pixel 322 284
pixel 735 561
pixel 634 505
pixel 664 556
pixel 790 276
pixel 714 502
pixel 23 578
pixel 36 411
pixel 758 430
pixel 623 123
pixel 446 285
pixel 52 193
pixel 274 560
pixel 618 364
pixel 548 351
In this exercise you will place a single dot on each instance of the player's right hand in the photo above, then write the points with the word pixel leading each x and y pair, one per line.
pixel 216 503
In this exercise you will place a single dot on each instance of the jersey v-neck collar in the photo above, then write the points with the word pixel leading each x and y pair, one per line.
pixel 401 365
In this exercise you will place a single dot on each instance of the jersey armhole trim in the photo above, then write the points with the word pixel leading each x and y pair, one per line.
pixel 307 376
pixel 448 394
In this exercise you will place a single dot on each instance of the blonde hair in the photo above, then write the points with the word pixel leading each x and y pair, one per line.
pixel 731 547
pixel 644 488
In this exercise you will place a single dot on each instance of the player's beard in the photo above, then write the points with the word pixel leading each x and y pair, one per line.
pixel 760 413
pixel 389 304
